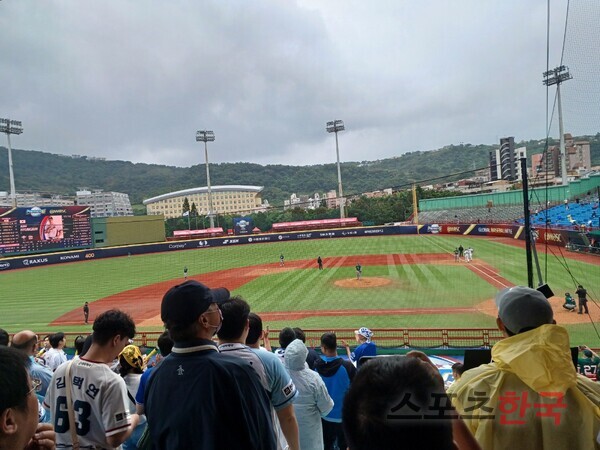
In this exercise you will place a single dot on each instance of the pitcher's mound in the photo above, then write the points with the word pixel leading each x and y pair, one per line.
pixel 365 282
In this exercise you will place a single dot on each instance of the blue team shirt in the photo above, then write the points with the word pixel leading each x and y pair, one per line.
pixel 364 349
pixel 282 387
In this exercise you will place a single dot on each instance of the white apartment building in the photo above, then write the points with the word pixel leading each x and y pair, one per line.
pixel 105 204
pixel 27 199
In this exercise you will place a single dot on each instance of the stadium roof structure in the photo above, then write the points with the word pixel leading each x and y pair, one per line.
pixel 204 190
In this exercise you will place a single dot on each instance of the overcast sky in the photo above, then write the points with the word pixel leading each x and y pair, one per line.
pixel 135 80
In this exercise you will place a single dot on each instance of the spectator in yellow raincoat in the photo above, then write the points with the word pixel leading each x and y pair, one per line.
pixel 530 396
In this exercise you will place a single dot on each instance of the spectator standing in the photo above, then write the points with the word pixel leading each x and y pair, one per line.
pixel 406 407
pixel 365 346
pixel 286 336
pixel 457 370
pixel 78 343
pixel 274 378
pixel 165 345
pixel 509 403
pixel 19 427
pixel 313 402
pixel 98 395
pixel 131 368
pixel 26 341
pixel 44 348
pixel 337 374
pixel 197 398
pixel 312 357
pixel 256 333
pixel 56 355
pixel 582 297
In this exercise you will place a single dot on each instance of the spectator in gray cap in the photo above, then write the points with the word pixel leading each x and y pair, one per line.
pixel 530 396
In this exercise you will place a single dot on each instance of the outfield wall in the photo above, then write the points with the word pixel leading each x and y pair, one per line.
pixel 553 237
pixel 127 230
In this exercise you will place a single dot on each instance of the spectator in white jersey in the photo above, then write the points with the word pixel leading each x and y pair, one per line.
pixel 97 395
pixel 275 379
pixel 56 355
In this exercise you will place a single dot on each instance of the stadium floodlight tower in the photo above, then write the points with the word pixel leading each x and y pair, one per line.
pixel 555 77
pixel 334 127
pixel 207 136
pixel 11 127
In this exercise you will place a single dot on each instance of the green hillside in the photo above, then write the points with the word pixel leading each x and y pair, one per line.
pixel 39 171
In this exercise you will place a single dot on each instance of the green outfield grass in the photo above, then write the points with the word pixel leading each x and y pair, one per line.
pixel 411 287
pixel 32 298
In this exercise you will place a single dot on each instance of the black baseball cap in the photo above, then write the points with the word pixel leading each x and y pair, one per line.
pixel 183 304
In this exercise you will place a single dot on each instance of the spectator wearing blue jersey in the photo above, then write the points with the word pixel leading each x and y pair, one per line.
pixel 337 374
pixel 26 341
pixel 365 346
pixel 165 345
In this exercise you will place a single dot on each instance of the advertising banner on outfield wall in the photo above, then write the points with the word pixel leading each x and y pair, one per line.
pixel 243 225
pixel 556 237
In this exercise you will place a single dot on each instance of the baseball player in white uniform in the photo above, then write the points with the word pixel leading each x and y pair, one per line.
pixel 469 254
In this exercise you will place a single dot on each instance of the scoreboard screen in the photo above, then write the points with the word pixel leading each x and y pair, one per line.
pixel 38 230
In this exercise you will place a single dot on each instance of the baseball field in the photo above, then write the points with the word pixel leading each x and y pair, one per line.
pixel 407 281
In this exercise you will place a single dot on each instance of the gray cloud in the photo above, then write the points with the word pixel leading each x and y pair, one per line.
pixel 134 80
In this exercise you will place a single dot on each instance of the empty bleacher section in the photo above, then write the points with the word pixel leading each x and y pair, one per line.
pixel 315 224
pixel 496 214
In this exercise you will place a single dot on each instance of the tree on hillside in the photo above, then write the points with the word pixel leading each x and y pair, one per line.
pixel 186 205
pixel 193 209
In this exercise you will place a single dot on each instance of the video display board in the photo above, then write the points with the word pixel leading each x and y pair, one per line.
pixel 37 230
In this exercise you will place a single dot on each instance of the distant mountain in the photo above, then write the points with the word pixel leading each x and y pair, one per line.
pixel 38 171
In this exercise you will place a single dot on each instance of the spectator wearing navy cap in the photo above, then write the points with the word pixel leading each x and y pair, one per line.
pixel 197 398
pixel 530 396
pixel 365 346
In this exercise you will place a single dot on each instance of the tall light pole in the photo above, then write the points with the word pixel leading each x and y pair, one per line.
pixel 555 77
pixel 334 127
pixel 11 127
pixel 207 136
